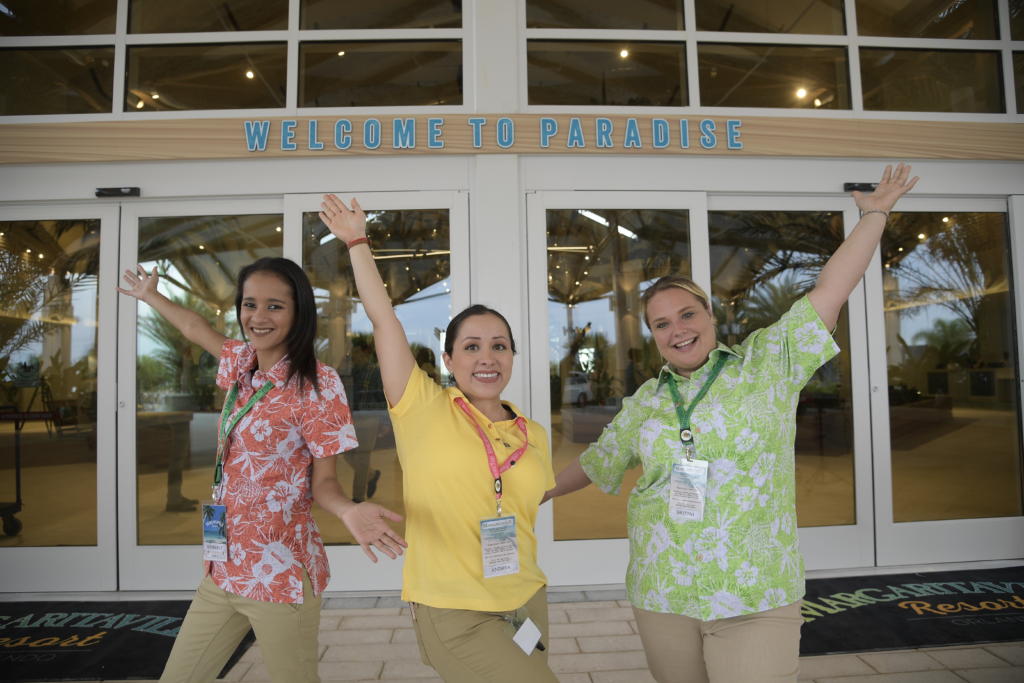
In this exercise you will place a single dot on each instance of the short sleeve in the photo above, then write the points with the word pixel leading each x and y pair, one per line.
pixel 795 346
pixel 326 424
pixel 420 390
pixel 235 357
pixel 606 460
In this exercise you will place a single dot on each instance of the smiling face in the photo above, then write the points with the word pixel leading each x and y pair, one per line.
pixel 267 313
pixel 481 358
pixel 682 328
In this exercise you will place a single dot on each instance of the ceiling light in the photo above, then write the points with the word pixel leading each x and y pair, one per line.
pixel 250 74
pixel 801 93
pixel 341 53
pixel 623 53
pixel 921 235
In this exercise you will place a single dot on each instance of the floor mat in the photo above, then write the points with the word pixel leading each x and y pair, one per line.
pixel 88 641
pixel 897 611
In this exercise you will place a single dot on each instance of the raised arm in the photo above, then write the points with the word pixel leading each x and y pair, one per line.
pixel 142 286
pixel 848 264
pixel 393 352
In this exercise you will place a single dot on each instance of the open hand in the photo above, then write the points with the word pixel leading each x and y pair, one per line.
pixel 140 284
pixel 366 522
pixel 894 184
pixel 344 223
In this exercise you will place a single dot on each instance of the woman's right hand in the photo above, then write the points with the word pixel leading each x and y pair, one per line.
pixel 140 284
pixel 344 223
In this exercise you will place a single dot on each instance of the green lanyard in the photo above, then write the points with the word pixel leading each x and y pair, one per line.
pixel 683 412
pixel 226 425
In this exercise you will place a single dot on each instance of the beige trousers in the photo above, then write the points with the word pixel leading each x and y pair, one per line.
pixel 217 621
pixel 753 648
pixel 466 646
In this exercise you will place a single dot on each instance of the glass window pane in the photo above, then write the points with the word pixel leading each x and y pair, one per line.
pixel 363 74
pixel 771 16
pixel 331 14
pixel 178 77
pixel 666 15
pixel 931 80
pixel 178 402
pixel 1017 21
pixel 761 262
pixel 48 304
pixel 56 80
pixel 599 262
pixel 967 19
pixel 413 253
pixel 791 77
pixel 75 17
pixel 614 73
pixel 951 352
pixel 1018 79
pixel 160 16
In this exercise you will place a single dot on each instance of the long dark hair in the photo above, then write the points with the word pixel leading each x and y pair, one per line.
pixel 476 309
pixel 299 341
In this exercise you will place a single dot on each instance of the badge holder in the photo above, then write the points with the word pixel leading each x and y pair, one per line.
pixel 498 542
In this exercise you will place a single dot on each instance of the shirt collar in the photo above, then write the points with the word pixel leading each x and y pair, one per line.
pixel 277 374
pixel 699 373
pixel 454 393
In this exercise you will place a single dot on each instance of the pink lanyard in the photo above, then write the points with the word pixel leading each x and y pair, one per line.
pixel 492 458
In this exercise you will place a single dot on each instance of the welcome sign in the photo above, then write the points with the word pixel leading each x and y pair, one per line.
pixel 483 134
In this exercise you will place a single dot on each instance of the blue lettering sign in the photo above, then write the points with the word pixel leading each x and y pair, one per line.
pixel 604 132
pixel 435 129
pixel 732 134
pixel 288 135
pixel 659 133
pixel 575 134
pixel 403 133
pixel 313 142
pixel 632 134
pixel 684 134
pixel 708 139
pixel 256 134
pixel 371 133
pixel 548 127
pixel 343 134
pixel 506 133
pixel 477 122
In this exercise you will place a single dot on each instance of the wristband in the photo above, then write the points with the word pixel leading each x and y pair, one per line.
pixel 358 240
pixel 884 213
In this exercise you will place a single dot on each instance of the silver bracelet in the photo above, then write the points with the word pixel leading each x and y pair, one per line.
pixel 865 213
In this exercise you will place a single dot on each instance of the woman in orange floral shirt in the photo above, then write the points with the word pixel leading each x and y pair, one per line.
pixel 285 420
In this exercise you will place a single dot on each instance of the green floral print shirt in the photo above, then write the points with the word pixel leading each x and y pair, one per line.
pixel 743 557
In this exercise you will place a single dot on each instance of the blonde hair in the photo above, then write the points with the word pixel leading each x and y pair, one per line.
pixel 674 282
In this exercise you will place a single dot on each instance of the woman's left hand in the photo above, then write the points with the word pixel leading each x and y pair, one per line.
pixel 367 523
pixel 894 184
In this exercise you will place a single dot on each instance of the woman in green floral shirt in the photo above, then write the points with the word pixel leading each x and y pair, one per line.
pixel 715 572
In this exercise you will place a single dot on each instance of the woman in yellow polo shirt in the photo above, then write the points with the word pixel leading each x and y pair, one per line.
pixel 474 471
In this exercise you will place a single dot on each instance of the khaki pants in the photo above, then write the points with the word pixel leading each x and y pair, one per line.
pixel 217 621
pixel 753 648
pixel 465 646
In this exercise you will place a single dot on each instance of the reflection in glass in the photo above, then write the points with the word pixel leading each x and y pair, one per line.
pixel 966 19
pixel 665 15
pixel 74 17
pixel 761 262
pixel 363 73
pixel 615 73
pixel 178 403
pixel 599 262
pixel 160 16
pixel 931 80
pixel 178 77
pixel 48 325
pixel 771 16
pixel 1018 79
pixel 1016 21
pixel 791 77
pixel 412 251
pixel 56 80
pixel 953 369
pixel 330 14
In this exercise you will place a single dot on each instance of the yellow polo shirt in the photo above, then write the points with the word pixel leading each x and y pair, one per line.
pixel 449 489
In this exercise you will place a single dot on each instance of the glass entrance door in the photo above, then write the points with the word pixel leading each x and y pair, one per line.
pixel 57 362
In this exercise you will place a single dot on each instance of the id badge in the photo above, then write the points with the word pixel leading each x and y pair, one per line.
pixel 215 532
pixel 499 546
pixel 689 489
